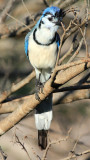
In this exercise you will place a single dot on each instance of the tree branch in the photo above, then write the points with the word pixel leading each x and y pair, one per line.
pixel 55 142
pixel 2 155
pixel 62 98
pixel 75 155
pixel 17 86
pixel 31 103
pixel 75 70
pixel 74 29
pixel 22 145
pixel 73 88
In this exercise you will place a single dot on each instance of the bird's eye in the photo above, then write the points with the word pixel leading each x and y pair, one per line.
pixel 50 18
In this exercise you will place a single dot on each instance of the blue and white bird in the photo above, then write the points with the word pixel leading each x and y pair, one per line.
pixel 41 48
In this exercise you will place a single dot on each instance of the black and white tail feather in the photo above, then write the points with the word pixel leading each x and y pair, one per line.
pixel 43 119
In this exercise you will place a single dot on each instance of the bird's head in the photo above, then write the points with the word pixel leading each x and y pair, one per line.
pixel 51 18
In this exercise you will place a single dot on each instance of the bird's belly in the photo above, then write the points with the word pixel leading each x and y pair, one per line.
pixel 42 56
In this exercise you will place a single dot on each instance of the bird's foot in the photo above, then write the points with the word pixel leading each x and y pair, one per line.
pixel 39 88
pixel 37 92
pixel 37 97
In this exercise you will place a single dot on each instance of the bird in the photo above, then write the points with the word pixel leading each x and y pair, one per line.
pixel 41 48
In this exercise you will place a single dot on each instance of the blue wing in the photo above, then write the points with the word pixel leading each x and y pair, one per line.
pixel 27 40
pixel 57 40
pixel 27 37
pixel 26 43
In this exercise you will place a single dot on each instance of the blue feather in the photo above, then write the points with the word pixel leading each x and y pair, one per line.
pixel 51 10
pixel 57 40
pixel 26 43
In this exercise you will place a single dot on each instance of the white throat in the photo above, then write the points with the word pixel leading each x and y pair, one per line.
pixel 45 35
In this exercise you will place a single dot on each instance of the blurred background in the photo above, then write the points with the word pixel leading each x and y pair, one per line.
pixel 14 66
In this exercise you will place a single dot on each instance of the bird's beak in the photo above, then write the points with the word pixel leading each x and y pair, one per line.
pixel 58 23
pixel 60 16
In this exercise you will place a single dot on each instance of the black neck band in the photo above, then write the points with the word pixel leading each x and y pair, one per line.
pixel 52 41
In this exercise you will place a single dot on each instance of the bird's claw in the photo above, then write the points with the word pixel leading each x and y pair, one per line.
pixel 37 92
pixel 37 97
pixel 39 89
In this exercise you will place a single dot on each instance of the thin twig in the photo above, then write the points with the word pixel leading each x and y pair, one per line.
pixel 18 21
pixel 73 88
pixel 77 51
pixel 61 42
pixel 74 29
pixel 73 150
pixel 55 142
pixel 6 10
pixel 71 49
pixel 66 54
pixel 74 155
pixel 28 11
pixel 80 43
pixel 22 145
pixel 62 39
pixel 2 155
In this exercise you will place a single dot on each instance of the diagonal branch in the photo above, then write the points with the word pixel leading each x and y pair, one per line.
pixel 31 103
pixel 22 145
pixel 73 88
pixel 2 155
pixel 17 86
pixel 75 155
pixel 63 98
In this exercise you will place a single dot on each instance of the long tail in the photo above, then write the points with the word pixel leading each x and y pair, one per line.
pixel 42 138
pixel 43 117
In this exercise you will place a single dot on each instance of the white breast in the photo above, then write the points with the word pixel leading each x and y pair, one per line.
pixel 42 56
